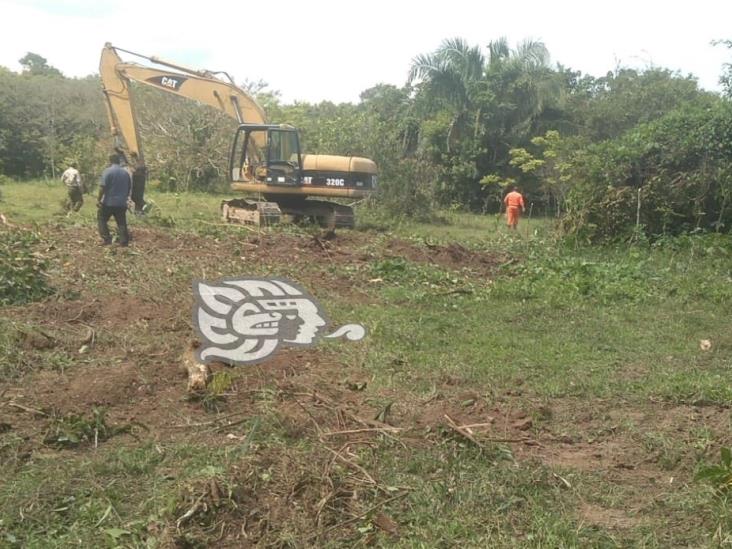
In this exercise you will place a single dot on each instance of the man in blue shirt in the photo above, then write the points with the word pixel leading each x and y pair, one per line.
pixel 114 190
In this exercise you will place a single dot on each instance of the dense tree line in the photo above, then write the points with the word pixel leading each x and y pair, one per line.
pixel 468 122
pixel 47 120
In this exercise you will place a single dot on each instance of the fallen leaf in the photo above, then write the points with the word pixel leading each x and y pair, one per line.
pixel 382 415
pixel 386 523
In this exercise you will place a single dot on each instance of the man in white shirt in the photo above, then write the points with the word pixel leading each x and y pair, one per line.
pixel 72 180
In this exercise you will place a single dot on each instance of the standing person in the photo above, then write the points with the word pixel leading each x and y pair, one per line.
pixel 514 201
pixel 72 180
pixel 139 177
pixel 114 190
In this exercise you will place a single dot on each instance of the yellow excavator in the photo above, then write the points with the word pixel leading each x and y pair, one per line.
pixel 265 159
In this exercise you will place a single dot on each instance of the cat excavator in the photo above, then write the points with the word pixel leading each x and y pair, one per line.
pixel 265 159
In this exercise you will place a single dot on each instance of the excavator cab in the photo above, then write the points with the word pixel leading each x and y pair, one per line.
pixel 266 153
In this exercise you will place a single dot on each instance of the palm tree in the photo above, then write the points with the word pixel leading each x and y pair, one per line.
pixel 521 80
pixel 451 75
pixel 498 51
pixel 499 96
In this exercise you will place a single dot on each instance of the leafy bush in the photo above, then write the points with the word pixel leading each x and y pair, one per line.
pixel 408 193
pixel 678 168
pixel 22 269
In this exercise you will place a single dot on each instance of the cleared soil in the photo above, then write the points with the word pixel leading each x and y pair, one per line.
pixel 134 333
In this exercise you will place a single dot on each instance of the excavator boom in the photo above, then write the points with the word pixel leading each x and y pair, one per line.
pixel 200 86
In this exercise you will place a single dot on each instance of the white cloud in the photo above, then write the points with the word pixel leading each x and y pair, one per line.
pixel 331 50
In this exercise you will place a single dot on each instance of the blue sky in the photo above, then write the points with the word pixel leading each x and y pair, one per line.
pixel 333 50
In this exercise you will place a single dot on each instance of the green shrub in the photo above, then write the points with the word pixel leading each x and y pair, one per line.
pixel 72 430
pixel 408 193
pixel 22 269
pixel 670 176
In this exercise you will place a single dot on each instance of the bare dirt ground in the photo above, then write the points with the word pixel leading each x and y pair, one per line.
pixel 131 367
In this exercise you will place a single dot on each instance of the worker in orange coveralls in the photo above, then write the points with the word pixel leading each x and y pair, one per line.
pixel 513 201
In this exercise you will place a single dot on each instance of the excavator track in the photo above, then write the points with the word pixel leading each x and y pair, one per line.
pixel 261 213
pixel 326 214
pixel 250 212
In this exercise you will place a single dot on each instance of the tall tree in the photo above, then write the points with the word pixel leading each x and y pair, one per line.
pixel 481 106
pixel 452 77
pixel 726 77
pixel 627 97
pixel 37 65
pixel 523 84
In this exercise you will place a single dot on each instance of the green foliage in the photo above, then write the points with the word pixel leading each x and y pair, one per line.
pixel 719 476
pixel 545 172
pixel 88 153
pixel 726 78
pixel 214 397
pixel 668 176
pixel 37 65
pixel 606 107
pixel 522 159
pixel 187 143
pixel 400 271
pixel 11 356
pixel 22 268
pixel 73 430
pixel 408 193
pixel 558 279
pixel 616 275
pixel 45 117
pixel 495 188
pixel 475 108
pixel 381 127
pixel 464 348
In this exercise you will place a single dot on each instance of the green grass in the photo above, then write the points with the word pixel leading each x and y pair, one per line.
pixel 587 333
pixel 471 229
pixel 86 500
pixel 41 201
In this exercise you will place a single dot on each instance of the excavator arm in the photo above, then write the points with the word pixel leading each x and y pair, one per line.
pixel 201 86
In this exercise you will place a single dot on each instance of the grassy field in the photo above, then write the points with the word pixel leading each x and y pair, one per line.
pixel 513 390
